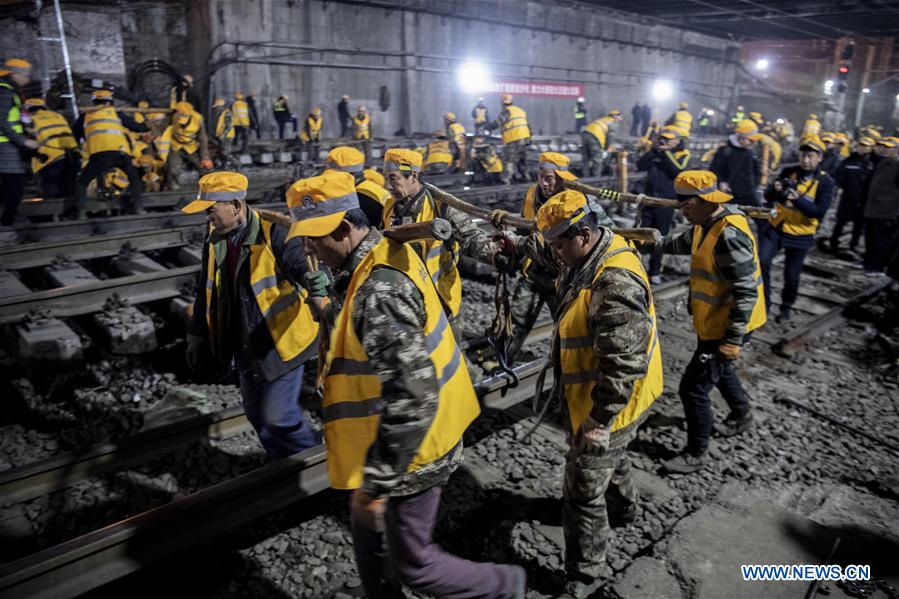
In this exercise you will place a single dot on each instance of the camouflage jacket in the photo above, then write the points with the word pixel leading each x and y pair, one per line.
pixel 618 322
pixel 389 318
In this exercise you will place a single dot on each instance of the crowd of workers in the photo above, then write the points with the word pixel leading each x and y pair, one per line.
pixel 381 314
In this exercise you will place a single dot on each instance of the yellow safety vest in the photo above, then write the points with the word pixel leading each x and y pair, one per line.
pixel 491 162
pixel 163 144
pixel 283 306
pixel 241 113
pixel 811 127
pixel 774 148
pixel 14 116
pixel 184 137
pixel 680 158
pixel 315 126
pixel 52 132
pixel 352 398
pixel 361 130
pixel 515 127
pixel 683 122
pixel 104 132
pixel 599 128
pixel 221 124
pixel 710 297
pixel 579 362
pixel 439 153
pixel 792 221
pixel 381 196
pixel 480 114
pixel 457 134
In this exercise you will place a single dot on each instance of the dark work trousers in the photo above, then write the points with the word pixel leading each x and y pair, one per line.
pixel 405 553
pixel 273 408
pixel 283 123
pixel 98 164
pixel 878 234
pixel 12 186
pixel 241 138
pixel 344 127
pixel 849 210
pixel 707 369
pixel 659 218
pixel 770 244
pixel 58 179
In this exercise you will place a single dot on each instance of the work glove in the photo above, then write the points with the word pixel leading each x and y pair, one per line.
pixel 729 351
pixel 367 511
pixel 197 352
pixel 206 164
pixel 593 436
pixel 316 283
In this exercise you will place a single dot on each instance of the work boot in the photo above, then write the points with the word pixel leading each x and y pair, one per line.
pixel 656 279
pixel 576 589
pixel 784 315
pixel 621 518
pixel 685 463
pixel 734 425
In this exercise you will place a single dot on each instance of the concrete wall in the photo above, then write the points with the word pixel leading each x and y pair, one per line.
pixel 355 49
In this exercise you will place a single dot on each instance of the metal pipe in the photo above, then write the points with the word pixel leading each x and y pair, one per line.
pixel 65 57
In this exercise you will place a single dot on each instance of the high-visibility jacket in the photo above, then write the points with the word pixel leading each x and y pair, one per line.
pixel 280 106
pixel 738 116
pixel 362 127
pixel 14 115
pixel 439 153
pixel 710 297
pixel 312 130
pixel 599 129
pixel 792 221
pixel 579 362
pixel 457 134
pixel 775 150
pixel 352 396
pixel 224 125
pixel 480 114
pixel 241 113
pixel 104 132
pixel 683 121
pixel 185 137
pixel 579 112
pixel 163 144
pixel 283 306
pixel 490 161
pixel 52 132
pixel 811 127
pixel 382 197
pixel 515 127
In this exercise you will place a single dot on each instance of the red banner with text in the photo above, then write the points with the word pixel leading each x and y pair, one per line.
pixel 553 89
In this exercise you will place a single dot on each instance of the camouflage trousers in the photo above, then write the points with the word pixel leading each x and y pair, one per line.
pixel 515 159
pixel 175 166
pixel 592 156
pixel 596 480
pixel 226 160
pixel 527 302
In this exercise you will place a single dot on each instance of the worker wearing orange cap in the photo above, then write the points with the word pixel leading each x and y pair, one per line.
pixel 682 120
pixel 241 112
pixel 596 141
pixel 56 161
pixel 362 130
pixel 224 132
pixel 736 166
pixel 106 144
pixel 189 143
pixel 458 142
pixel 481 117
pixel 374 200
pixel 513 123
pixel 15 74
pixel 852 176
pixel 831 158
pixel 811 127
pixel 311 135
pixel 439 157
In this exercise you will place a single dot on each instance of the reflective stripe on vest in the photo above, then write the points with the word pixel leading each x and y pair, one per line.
pixel 439 153
pixel 185 137
pixel 104 132
pixel 457 133
pixel 352 399
pixel 598 129
pixel 441 260
pixel 683 121
pixel 480 114
pixel 14 116
pixel 710 297
pixel 790 220
pixel 515 128
pixel 578 360
pixel 54 135
pixel 283 307
pixel 679 158
pixel 361 127
pixel 223 127
pixel 241 113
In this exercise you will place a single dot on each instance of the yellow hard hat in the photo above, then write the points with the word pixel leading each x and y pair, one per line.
pixel 184 108
pixel 450 116
pixel 749 129
pixel 374 191
pixel 238 96
pixel 143 104
pixel 317 111
pixel 888 142
pixel 35 103
pixel 756 116
pixel 558 163
pixel 700 183
pixel 102 95
pixel 374 176
pixel 399 159
pixel 560 212
pixel 866 141
pixel 813 116
pixel 17 65
pixel 362 108
pixel 440 133
pixel 220 186
pixel 812 142
pixel 218 102
pixel 318 204
pixel 670 132
pixel 506 99
pixel 683 105
pixel 614 112
pixel 345 158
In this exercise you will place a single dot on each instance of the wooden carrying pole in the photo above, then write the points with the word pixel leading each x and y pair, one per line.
pixel 619 196
pixel 438 228
pixel 503 218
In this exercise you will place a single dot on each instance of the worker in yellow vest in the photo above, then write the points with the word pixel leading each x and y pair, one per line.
pixel 682 120
pixel 596 142
pixel 811 127
pixel 727 303
pixel 488 167
pixel 311 135
pixel 106 145
pixel 188 144
pixel 224 132
pixel 55 161
pixel 250 312
pixel 802 195
pixel 608 373
pixel 14 75
pixel 513 124
pixel 374 200
pixel 241 113
pixel 362 130
pixel 458 142
pixel 439 157
pixel 481 118
pixel 397 399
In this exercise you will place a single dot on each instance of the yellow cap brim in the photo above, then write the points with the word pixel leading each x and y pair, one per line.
pixel 317 227
pixel 717 197
pixel 566 175
pixel 755 136
pixel 197 206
